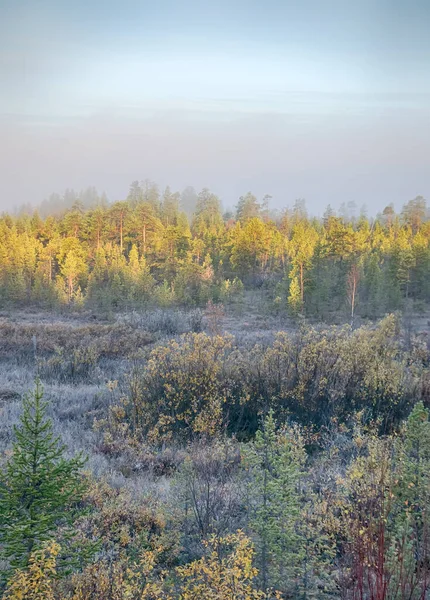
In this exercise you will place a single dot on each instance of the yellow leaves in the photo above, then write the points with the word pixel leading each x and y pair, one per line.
pixel 225 573
pixel 112 385
pixel 356 474
pixel 35 583
pixel 124 537
pixel 120 580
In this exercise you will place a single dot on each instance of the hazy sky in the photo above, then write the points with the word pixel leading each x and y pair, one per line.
pixel 323 99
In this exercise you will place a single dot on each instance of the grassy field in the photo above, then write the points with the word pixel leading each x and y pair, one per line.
pixel 76 355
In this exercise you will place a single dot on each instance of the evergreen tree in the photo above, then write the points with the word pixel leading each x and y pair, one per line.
pixel 274 462
pixel 247 208
pixel 38 487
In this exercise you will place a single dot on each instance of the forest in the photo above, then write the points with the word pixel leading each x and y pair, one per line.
pixel 174 249
pixel 200 404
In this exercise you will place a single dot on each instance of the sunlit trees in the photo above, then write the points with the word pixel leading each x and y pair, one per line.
pixel 251 247
pixel 118 213
pixel 71 259
pixel 301 249
pixel 146 225
pixel 334 267
pixel 97 226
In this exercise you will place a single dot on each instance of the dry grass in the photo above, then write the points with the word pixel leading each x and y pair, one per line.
pixel 77 355
pixel 113 340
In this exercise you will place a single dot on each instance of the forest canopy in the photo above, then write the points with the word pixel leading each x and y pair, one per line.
pixel 169 249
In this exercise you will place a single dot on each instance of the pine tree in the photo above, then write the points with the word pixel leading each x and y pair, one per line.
pixel 247 208
pixel 38 487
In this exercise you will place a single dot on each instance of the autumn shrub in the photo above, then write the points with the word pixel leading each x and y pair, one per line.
pixel 137 546
pixel 37 581
pixel 125 524
pixel 316 374
pixel 226 571
pixel 200 384
pixel 122 578
pixel 133 454
pixel 183 387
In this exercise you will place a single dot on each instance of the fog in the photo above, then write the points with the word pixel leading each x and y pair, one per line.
pixel 323 158
pixel 278 98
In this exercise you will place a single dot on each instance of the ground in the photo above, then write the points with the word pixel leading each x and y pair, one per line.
pixel 77 353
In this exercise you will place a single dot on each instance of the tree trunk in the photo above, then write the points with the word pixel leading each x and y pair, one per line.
pixel 302 286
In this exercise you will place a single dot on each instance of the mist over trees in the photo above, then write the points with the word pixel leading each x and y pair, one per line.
pixel 167 248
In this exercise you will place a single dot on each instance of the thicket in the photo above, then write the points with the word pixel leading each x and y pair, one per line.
pixel 146 250
pixel 262 519
pixel 200 384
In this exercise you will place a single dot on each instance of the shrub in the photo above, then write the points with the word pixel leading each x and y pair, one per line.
pixel 183 388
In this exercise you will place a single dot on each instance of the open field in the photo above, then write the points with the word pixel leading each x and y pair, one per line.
pixel 77 354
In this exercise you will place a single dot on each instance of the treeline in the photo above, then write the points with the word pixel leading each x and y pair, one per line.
pixel 148 250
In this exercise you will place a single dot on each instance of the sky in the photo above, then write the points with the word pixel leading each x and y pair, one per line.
pixel 327 100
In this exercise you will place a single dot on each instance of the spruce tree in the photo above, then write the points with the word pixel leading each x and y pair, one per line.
pixel 38 487
pixel 274 462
